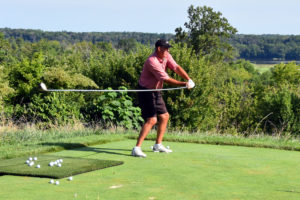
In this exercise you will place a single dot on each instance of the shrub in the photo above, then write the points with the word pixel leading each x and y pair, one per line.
pixel 112 108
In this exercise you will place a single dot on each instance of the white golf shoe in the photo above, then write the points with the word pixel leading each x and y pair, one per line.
pixel 137 151
pixel 161 148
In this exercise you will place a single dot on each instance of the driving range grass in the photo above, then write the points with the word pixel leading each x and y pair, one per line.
pixel 32 142
pixel 263 67
pixel 192 171
pixel 69 166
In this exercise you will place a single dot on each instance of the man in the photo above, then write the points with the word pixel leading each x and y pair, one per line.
pixel 151 103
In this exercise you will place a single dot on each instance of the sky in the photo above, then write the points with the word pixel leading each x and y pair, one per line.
pixel 148 16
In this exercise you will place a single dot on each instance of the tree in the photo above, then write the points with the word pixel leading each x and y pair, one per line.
pixel 207 32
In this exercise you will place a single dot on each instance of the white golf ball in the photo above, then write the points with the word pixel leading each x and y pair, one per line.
pixel 70 178
pixel 27 161
pixel 51 181
pixel 151 147
pixel 61 160
pixel 56 182
pixel 58 165
pixel 168 147
pixel 35 158
pixel 30 158
pixel 38 166
pixel 31 164
pixel 51 164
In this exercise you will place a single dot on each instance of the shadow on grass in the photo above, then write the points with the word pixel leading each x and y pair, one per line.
pixel 291 191
pixel 82 147
pixel 64 145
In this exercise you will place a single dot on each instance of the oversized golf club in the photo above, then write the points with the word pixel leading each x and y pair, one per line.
pixel 44 88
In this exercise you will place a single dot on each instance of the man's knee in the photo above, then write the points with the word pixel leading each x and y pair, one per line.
pixel 164 117
pixel 152 120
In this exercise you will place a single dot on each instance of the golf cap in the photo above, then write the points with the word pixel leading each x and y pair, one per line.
pixel 162 43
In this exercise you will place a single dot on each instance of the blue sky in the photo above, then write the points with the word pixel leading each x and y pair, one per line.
pixel 151 16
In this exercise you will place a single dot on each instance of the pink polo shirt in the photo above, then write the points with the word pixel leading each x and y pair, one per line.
pixel 154 71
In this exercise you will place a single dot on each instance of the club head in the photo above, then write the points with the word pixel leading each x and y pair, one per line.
pixel 43 86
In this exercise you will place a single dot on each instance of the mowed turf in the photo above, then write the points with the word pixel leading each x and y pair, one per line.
pixel 69 167
pixel 192 171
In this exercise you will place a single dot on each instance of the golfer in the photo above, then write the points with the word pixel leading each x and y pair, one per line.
pixel 151 103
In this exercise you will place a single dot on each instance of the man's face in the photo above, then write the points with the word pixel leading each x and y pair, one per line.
pixel 162 52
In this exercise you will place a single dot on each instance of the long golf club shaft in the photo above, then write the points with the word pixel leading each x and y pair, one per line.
pixel 83 90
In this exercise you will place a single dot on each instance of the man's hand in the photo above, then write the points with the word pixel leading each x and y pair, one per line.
pixel 190 84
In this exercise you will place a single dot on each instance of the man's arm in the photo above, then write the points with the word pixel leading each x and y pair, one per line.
pixel 172 81
pixel 190 84
pixel 181 72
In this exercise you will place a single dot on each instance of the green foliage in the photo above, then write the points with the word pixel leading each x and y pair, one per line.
pixel 286 74
pixel 59 78
pixel 55 108
pixel 281 105
pixel 229 97
pixel 5 90
pixel 208 32
pixel 114 109
pixel 25 77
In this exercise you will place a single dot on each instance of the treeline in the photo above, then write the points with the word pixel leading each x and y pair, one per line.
pixel 267 47
pixel 249 47
pixel 74 37
pixel 230 97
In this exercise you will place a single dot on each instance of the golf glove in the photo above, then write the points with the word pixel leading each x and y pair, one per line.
pixel 190 84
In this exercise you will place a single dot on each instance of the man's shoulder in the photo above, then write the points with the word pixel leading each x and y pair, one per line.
pixel 152 59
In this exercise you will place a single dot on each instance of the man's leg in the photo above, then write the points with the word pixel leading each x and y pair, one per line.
pixel 163 121
pixel 145 130
pixel 162 125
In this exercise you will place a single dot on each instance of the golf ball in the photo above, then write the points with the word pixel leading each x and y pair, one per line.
pixel 35 158
pixel 31 164
pixel 38 166
pixel 58 165
pixel 27 161
pixel 61 160
pixel 151 147
pixel 70 178
pixel 51 164
pixel 30 158
pixel 56 182
pixel 168 147
pixel 51 181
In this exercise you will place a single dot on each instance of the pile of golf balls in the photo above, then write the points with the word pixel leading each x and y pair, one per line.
pixel 30 162
pixel 58 163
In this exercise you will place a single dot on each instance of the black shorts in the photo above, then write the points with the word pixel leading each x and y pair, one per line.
pixel 151 103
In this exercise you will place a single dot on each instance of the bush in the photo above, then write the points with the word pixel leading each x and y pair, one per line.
pixel 112 108
pixel 282 106
pixel 55 108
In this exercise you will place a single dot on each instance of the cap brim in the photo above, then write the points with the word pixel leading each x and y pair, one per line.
pixel 167 46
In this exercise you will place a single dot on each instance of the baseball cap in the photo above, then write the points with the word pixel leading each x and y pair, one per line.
pixel 162 43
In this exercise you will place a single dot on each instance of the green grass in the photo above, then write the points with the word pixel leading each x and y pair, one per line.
pixel 263 67
pixel 192 171
pixel 71 166
pixel 28 142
